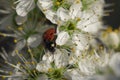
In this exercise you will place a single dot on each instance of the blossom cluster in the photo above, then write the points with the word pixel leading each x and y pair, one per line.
pixel 58 40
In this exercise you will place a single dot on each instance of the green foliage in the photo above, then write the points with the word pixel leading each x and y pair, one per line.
pixel 56 74
pixel 38 52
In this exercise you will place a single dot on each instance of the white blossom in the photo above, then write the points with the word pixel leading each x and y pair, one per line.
pixel 59 57
pixel 24 7
pixel 115 63
pixel 111 39
pixel 62 38
pixel 20 20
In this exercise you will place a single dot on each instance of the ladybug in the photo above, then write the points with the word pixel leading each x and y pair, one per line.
pixel 49 38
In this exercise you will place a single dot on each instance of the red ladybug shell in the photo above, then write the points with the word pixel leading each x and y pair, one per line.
pixel 49 35
pixel 49 39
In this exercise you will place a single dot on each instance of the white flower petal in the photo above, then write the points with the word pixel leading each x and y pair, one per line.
pixel 73 74
pixel 62 38
pixel 86 67
pixel 115 63
pixel 20 20
pixel 75 9
pixel 97 7
pixel 81 41
pixel 42 77
pixel 89 22
pixel 20 45
pixel 51 16
pixel 43 66
pixel 44 4
pixel 63 14
pixel 34 40
pixel 24 6
pixel 48 57
pixel 61 58
pixel 111 39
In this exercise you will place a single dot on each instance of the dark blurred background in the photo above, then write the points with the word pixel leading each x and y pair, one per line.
pixel 114 18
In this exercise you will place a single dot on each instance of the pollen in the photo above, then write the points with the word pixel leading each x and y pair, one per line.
pixel 78 19
pixel 29 50
pixel 18 63
pixel 73 49
pixel 16 51
pixel 58 22
pixel 15 41
pixel 3 77
pixel 50 70
pixel 33 62
pixel 109 29
pixel 27 62
pixel 101 47
pixel 10 73
pixel 77 1
pixel 104 35
pixel 116 30
pixel 58 3
pixel 20 28
pixel 21 55
pixel 44 10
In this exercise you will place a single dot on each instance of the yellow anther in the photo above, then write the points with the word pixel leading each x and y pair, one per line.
pixel 33 62
pixel 29 50
pixel 77 1
pixel 44 10
pixel 15 41
pixel 104 35
pixel 10 73
pixel 101 47
pixel 18 63
pixel 58 3
pixel 96 59
pixel 16 51
pixel 27 62
pixel 20 54
pixel 73 49
pixel 3 77
pixel 78 19
pixel 50 70
pixel 58 22
pixel 116 30
pixel 34 71
pixel 20 28
pixel 109 29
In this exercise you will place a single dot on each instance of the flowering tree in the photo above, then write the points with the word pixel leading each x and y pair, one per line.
pixel 58 40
